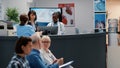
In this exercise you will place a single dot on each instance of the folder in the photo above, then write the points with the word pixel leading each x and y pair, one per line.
pixel 66 64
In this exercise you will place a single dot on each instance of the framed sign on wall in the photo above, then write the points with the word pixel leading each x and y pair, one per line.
pixel 99 5
pixel 68 13
pixel 100 22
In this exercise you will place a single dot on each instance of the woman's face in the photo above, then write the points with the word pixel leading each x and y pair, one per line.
pixel 27 49
pixel 46 43
pixel 32 16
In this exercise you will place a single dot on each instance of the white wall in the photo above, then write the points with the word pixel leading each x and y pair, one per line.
pixel 21 5
pixel 113 8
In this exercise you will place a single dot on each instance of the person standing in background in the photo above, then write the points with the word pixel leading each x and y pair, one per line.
pixel 23 29
pixel 57 23
pixel 22 48
pixel 32 18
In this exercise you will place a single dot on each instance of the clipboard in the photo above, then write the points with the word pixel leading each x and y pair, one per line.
pixel 66 64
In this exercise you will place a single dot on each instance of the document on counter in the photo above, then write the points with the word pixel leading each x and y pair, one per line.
pixel 66 64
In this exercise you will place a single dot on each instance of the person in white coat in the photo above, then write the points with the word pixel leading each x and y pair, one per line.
pixel 56 22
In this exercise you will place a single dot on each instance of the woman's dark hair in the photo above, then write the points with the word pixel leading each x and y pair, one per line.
pixel 23 19
pixel 59 16
pixel 32 12
pixel 22 41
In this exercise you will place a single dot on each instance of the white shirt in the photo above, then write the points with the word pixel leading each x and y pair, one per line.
pixel 61 28
pixel 48 57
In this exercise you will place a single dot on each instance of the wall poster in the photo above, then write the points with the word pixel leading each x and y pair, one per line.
pixel 68 13
pixel 100 22
pixel 99 5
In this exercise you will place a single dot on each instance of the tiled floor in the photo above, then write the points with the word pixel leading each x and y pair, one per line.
pixel 113 56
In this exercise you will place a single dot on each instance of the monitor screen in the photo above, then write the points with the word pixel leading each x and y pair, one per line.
pixel 48 30
pixel 45 14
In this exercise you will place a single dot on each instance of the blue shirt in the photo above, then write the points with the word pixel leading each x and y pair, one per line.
pixel 35 60
pixel 25 30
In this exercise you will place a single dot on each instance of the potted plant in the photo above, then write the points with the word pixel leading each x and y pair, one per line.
pixel 12 15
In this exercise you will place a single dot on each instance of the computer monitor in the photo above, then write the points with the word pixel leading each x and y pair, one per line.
pixel 48 30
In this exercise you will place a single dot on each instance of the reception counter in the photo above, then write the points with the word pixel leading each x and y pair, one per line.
pixel 86 50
